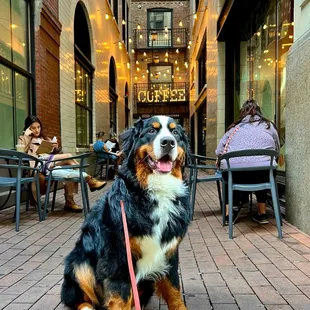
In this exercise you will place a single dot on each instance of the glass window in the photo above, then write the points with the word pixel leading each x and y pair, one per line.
pixel 160 27
pixel 160 74
pixel 15 76
pixel 83 103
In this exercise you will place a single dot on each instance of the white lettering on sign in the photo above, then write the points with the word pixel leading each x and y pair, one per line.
pixel 164 95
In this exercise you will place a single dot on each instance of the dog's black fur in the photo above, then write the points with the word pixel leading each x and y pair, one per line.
pixel 104 279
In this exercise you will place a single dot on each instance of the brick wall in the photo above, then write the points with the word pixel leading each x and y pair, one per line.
pixel 47 69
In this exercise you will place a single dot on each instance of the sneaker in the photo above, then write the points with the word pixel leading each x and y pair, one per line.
pixel 94 184
pixel 260 218
pixel 236 212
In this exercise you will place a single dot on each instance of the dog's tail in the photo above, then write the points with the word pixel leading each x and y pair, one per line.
pixel 87 281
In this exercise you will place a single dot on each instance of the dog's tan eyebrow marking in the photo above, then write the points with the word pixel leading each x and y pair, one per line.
pixel 156 125
pixel 172 125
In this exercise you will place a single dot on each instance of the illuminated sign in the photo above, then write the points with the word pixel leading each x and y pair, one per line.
pixel 165 95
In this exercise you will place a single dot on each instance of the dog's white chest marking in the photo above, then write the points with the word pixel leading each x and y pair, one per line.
pixel 153 262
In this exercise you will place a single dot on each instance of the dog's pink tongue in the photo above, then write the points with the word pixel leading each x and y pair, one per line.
pixel 164 166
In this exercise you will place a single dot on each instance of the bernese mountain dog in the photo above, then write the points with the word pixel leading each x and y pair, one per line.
pixel 156 199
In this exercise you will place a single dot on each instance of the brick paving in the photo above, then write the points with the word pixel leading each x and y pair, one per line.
pixel 255 270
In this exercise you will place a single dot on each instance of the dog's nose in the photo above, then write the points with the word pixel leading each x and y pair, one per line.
pixel 167 143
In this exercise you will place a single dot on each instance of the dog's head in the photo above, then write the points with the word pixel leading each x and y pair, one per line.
pixel 157 145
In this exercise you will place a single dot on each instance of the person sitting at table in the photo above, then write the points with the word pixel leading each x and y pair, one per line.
pixel 251 131
pixel 31 139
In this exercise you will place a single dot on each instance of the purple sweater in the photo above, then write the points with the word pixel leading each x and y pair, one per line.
pixel 253 135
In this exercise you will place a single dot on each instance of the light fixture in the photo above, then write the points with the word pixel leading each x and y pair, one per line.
pixel 140 36
pixel 136 78
pixel 178 39
pixel 123 22
pixel 166 54
pixel 143 76
pixel 130 40
pixel 107 16
pixel 195 16
pixel 147 71
pixel 138 69
pixel 128 65
pixel 176 62
pixel 156 59
pixel 154 35
pixel 138 26
pixel 177 51
pixel 180 23
pixel 166 29
pixel 166 59
pixel 178 69
pixel 132 51
pixel 137 62
pixel 172 76
pixel 144 54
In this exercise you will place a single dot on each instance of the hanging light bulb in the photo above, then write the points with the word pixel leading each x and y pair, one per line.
pixel 172 76
pixel 107 16
pixel 144 54
pixel 138 26
pixel 166 59
pixel 138 69
pixel 178 39
pixel 132 51
pixel 195 16
pixel 147 71
pixel 140 36
pixel 180 23
pixel 130 40
pixel 136 78
pixel 168 70
pixel 143 76
pixel 166 29
pixel 137 62
pixel 178 69
pixel 176 62
pixel 128 65
pixel 177 51
pixel 123 22
pixel 166 54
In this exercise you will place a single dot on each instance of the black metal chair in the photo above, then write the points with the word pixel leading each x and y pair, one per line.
pixel 103 162
pixel 20 162
pixel 194 167
pixel 55 178
pixel 271 184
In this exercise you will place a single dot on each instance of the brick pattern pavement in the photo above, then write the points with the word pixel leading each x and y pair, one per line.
pixel 255 270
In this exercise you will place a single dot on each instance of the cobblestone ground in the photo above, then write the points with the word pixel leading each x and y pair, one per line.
pixel 255 270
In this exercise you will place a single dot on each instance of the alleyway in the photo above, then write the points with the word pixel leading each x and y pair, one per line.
pixel 254 271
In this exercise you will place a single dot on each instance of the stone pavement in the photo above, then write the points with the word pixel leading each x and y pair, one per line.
pixel 255 270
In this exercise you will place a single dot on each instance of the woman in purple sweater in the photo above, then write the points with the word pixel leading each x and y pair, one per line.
pixel 250 131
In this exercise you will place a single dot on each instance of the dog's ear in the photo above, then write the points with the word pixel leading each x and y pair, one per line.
pixel 129 137
pixel 184 143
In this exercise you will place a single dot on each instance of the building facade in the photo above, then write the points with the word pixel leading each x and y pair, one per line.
pixel 66 62
pixel 254 49
pixel 160 48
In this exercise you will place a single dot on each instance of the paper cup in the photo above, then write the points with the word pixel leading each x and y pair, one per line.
pixel 20 148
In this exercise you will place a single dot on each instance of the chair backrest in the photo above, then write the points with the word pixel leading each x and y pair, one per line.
pixel 16 161
pixel 195 162
pixel 102 155
pixel 249 153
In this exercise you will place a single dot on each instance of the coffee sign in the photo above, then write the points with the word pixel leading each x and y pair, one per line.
pixel 164 95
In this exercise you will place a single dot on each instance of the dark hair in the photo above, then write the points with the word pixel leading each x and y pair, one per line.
pixel 100 134
pixel 250 107
pixel 33 119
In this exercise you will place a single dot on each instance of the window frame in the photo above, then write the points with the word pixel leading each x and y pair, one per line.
pixel 28 73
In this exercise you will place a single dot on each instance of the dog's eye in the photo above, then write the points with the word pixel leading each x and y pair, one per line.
pixel 152 131
pixel 175 132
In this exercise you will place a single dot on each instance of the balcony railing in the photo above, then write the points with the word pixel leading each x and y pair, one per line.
pixel 160 38
pixel 161 92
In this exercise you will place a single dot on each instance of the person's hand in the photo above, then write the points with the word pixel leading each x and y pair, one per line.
pixel 55 145
pixel 28 132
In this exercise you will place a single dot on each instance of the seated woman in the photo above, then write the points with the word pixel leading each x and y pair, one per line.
pixel 32 138
pixel 101 147
pixel 251 131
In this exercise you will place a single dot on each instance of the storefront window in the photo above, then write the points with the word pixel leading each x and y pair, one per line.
pixel 263 63
pixel 15 75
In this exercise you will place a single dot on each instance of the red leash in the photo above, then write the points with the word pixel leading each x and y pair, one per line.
pixel 129 260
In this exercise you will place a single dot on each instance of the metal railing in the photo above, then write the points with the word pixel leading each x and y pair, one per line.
pixel 160 38
pixel 161 92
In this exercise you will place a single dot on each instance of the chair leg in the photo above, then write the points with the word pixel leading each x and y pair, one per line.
pixel 223 206
pixel 54 195
pixel 38 197
pixel 17 207
pixel 190 183
pixel 47 195
pixel 87 199
pixel 251 201
pixel 28 197
pixel 193 195
pixel 219 192
pixel 230 210
pixel 83 190
pixel 276 207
